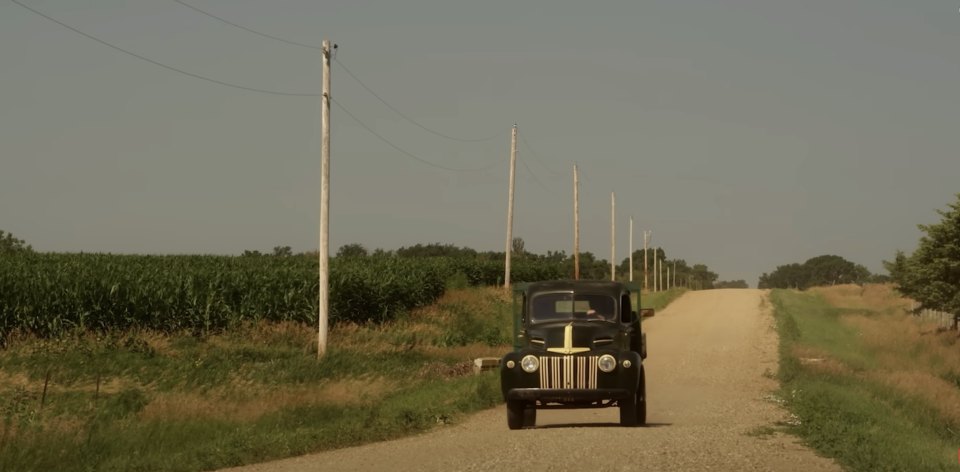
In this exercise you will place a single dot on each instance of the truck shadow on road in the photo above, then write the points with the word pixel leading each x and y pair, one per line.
pixel 597 425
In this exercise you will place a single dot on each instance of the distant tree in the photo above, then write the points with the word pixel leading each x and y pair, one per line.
pixel 592 268
pixel 785 276
pixel 11 245
pixel 518 248
pixel 352 250
pixel 833 270
pixel 931 275
pixel 816 271
pixel 436 250
pixel 897 268
pixel 879 279
pixel 702 277
pixel 249 253
pixel 740 283
pixel 554 256
pixel 282 251
pixel 624 266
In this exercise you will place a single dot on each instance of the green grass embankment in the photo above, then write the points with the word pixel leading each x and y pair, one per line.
pixel 866 384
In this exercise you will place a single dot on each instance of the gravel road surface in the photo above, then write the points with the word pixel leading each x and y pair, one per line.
pixel 708 395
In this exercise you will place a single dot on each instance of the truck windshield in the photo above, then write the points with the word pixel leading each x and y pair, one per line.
pixel 559 306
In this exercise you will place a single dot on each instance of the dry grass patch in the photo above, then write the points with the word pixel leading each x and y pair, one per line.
pixel 19 380
pixel 422 328
pixel 893 338
pixel 911 356
pixel 249 403
pixel 819 360
pixel 471 296
pixel 938 393
pixel 901 343
pixel 263 333
pixel 445 370
pixel 470 351
pixel 881 298
pixel 16 379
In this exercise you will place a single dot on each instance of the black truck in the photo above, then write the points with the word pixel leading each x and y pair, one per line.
pixel 577 344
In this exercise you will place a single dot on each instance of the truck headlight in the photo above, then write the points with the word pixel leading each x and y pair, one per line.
pixel 529 364
pixel 607 363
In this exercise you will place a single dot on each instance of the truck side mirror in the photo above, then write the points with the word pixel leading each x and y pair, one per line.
pixel 646 312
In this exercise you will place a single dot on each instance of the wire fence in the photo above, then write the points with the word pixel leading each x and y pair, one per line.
pixel 943 320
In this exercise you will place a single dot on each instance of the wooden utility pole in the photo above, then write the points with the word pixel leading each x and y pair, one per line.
pixel 576 224
pixel 613 236
pixel 660 273
pixel 656 287
pixel 631 249
pixel 646 241
pixel 668 277
pixel 324 252
pixel 513 168
pixel 674 273
pixel 656 255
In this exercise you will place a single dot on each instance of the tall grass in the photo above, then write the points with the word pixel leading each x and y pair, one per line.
pixel 144 400
pixel 854 371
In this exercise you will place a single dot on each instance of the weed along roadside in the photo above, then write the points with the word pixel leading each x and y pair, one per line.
pixel 866 383
pixel 139 400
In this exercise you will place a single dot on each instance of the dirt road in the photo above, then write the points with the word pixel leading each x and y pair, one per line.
pixel 707 395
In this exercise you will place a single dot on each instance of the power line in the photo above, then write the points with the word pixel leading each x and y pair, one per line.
pixel 406 117
pixel 272 92
pixel 537 157
pixel 347 70
pixel 403 151
pixel 175 69
pixel 211 15
pixel 533 175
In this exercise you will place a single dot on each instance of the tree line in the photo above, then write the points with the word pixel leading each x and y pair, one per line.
pixel 11 245
pixel 697 276
pixel 817 271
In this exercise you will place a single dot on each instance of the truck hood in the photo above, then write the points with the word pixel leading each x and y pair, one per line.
pixel 571 337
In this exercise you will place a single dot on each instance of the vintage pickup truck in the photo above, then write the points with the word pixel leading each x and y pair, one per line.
pixel 577 344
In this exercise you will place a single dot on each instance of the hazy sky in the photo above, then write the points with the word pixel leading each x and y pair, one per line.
pixel 744 134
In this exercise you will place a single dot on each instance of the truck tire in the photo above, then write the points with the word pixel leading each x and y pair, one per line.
pixel 530 416
pixel 642 399
pixel 628 411
pixel 515 415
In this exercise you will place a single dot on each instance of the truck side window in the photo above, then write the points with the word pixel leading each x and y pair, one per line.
pixel 625 308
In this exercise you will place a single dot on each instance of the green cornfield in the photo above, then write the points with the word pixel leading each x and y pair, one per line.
pixel 50 295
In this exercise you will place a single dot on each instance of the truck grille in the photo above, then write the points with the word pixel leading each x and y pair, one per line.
pixel 578 372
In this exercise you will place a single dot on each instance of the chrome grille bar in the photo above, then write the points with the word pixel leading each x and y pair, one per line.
pixel 577 372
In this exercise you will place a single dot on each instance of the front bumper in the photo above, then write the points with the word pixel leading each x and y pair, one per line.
pixel 568 394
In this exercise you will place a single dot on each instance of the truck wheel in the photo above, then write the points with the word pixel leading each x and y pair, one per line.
pixel 530 415
pixel 642 399
pixel 628 411
pixel 515 414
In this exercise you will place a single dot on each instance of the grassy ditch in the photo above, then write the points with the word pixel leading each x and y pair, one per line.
pixel 139 400
pixel 660 300
pixel 867 384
